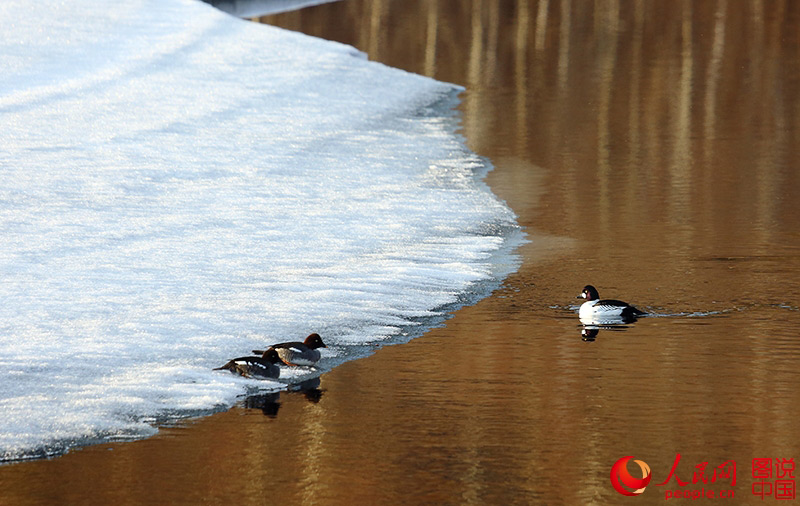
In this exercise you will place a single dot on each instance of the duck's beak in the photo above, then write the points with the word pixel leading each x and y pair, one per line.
pixel 581 296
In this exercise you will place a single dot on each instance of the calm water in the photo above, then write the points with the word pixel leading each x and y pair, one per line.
pixel 650 148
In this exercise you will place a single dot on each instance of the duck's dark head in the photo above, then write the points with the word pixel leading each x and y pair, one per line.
pixel 272 356
pixel 589 293
pixel 313 341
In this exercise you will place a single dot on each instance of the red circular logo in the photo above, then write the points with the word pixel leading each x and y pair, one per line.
pixel 624 482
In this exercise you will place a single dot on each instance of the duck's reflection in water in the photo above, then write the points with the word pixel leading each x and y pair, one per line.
pixel 589 332
pixel 269 403
pixel 309 388
pixel 591 327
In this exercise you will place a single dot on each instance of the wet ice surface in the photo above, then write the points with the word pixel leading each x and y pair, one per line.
pixel 180 187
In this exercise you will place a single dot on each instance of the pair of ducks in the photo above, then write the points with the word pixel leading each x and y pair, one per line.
pixel 293 353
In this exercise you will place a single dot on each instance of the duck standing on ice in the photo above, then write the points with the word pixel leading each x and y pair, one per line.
pixel 297 353
pixel 265 366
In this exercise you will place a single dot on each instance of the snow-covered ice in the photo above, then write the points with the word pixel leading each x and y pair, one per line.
pixel 180 186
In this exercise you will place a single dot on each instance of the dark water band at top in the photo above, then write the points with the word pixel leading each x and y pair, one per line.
pixel 255 8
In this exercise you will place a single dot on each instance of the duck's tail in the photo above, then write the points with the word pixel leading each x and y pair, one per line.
pixel 632 312
pixel 227 367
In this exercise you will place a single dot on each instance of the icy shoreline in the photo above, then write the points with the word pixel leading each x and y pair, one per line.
pixel 181 186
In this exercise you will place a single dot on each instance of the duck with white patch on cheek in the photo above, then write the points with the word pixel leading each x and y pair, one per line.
pixel 596 309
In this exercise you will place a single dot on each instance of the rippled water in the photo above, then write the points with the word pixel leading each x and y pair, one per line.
pixel 650 148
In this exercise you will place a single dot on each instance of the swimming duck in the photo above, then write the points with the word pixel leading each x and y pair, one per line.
pixel 262 367
pixel 595 309
pixel 297 353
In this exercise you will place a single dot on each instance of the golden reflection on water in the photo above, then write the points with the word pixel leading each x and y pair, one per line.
pixel 650 148
pixel 645 105
pixel 675 121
